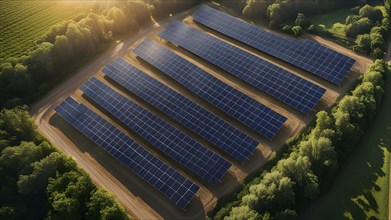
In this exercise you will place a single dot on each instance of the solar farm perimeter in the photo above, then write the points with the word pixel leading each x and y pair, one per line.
pixel 195 106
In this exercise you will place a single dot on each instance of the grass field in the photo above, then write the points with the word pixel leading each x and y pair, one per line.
pixel 360 190
pixel 23 22
pixel 333 21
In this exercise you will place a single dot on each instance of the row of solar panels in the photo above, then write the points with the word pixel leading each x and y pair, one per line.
pixel 175 144
pixel 164 178
pixel 275 81
pixel 310 56
pixel 166 138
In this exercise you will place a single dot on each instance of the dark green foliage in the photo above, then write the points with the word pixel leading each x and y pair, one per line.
pixel 104 206
pixel 37 182
pixel 371 12
pixel 314 160
pixel 287 29
pixel 256 8
pixel 362 26
pixel 16 126
pixel 67 44
pixel 352 19
pixel 302 21
pixel 279 12
pixel 287 214
pixel 297 31
pixel 363 43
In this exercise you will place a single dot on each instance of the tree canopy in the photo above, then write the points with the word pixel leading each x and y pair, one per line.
pixel 38 182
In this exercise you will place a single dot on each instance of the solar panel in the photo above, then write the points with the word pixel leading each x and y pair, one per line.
pixel 162 135
pixel 310 56
pixel 240 106
pixel 279 83
pixel 164 178
pixel 212 128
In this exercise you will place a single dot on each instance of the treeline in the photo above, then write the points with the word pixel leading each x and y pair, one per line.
pixel 278 12
pixel 366 30
pixel 369 28
pixel 68 44
pixel 299 177
pixel 38 182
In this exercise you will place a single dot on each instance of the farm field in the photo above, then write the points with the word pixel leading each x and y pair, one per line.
pixel 361 187
pixel 24 22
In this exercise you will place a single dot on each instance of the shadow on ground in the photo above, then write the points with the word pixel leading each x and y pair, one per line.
pixel 351 194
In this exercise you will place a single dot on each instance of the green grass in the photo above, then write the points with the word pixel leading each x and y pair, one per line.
pixel 360 190
pixel 332 17
pixel 24 22
pixel 333 21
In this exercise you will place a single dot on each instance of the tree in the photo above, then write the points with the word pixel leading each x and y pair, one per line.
pixel 297 30
pixel 366 94
pixel 16 125
pixel 68 194
pixel 287 29
pixel 17 160
pixel 274 15
pixel 256 8
pixel 62 51
pixel 322 156
pixel 298 168
pixel 352 106
pixel 302 21
pixel 275 191
pixel 40 62
pixel 362 26
pixel 119 22
pixel 104 206
pixel 377 41
pixel 81 39
pixel 363 42
pixel 370 12
pixel 242 213
pixel 352 19
pixel 377 53
pixel 37 180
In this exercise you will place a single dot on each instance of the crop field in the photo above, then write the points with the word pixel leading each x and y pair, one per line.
pixel 24 22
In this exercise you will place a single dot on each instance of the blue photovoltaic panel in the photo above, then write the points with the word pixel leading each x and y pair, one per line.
pixel 196 118
pixel 310 56
pixel 237 104
pixel 164 178
pixel 279 83
pixel 165 137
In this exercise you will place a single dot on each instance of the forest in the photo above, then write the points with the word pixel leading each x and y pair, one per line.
pixel 39 182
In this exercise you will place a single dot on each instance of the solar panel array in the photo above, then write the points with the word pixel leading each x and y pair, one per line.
pixel 240 106
pixel 164 136
pixel 310 56
pixel 279 83
pixel 164 178
pixel 212 128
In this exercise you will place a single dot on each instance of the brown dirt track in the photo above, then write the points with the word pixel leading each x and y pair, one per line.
pixel 140 199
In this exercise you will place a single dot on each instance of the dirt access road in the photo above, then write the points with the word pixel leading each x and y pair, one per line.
pixel 44 106
pixel 131 200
